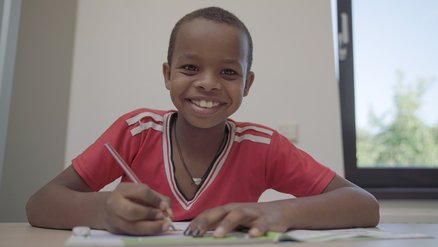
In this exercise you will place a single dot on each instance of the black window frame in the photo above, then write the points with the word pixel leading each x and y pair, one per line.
pixel 385 183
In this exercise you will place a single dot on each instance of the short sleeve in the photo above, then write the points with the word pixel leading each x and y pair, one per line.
pixel 293 171
pixel 96 166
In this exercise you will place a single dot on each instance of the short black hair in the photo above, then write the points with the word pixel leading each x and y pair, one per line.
pixel 217 15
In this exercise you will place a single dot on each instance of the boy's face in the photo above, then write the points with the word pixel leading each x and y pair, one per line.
pixel 208 77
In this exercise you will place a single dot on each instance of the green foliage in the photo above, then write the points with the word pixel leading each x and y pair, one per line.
pixel 406 141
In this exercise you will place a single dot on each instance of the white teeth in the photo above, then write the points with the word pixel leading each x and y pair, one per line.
pixel 205 104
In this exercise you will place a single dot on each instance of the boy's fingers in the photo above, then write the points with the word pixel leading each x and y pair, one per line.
pixel 258 229
pixel 141 193
pixel 138 202
pixel 133 211
pixel 149 227
pixel 122 226
pixel 232 220
pixel 205 221
pixel 165 206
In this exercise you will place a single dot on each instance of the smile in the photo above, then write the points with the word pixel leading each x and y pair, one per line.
pixel 205 104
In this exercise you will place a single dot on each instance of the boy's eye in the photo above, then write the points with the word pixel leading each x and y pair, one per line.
pixel 190 67
pixel 228 72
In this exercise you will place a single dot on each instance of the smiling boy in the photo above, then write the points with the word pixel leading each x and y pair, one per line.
pixel 204 166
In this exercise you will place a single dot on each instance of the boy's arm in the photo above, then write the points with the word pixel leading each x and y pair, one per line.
pixel 341 205
pixel 67 201
pixel 64 203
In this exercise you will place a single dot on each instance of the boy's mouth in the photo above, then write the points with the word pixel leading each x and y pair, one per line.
pixel 205 103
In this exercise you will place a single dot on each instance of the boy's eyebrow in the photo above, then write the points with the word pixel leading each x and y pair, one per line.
pixel 231 61
pixel 196 57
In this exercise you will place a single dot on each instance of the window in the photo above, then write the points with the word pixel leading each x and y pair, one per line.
pixel 388 81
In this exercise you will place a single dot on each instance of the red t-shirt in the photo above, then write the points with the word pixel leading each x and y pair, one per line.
pixel 255 158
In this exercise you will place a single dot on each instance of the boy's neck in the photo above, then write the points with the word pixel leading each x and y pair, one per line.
pixel 199 138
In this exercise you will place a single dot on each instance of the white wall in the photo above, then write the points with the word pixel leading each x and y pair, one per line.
pixel 121 45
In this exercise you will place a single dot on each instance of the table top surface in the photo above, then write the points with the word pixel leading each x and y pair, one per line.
pixel 23 235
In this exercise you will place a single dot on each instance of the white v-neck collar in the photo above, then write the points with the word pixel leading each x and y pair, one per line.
pixel 169 168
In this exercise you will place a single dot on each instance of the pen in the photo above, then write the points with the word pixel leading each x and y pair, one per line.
pixel 131 174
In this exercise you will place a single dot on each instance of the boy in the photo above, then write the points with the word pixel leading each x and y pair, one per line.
pixel 207 167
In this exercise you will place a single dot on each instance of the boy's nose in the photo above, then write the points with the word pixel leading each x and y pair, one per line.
pixel 208 83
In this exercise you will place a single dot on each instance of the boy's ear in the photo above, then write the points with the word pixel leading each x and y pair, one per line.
pixel 248 83
pixel 166 74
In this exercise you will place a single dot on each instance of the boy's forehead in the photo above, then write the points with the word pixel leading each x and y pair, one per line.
pixel 206 32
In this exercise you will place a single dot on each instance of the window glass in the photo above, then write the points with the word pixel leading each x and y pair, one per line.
pixel 396 83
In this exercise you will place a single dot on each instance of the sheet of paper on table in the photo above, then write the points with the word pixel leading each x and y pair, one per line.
pixel 104 238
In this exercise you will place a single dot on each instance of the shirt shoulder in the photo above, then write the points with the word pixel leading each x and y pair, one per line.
pixel 143 119
pixel 253 132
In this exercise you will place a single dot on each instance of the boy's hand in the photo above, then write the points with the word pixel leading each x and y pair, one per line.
pixel 135 209
pixel 257 217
